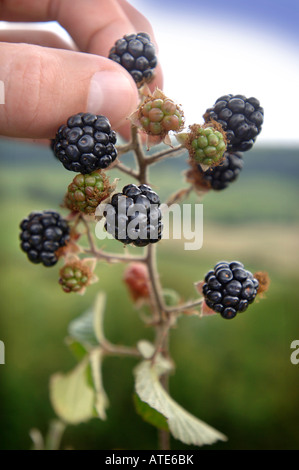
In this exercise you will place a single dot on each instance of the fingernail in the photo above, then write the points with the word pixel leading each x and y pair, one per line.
pixel 113 95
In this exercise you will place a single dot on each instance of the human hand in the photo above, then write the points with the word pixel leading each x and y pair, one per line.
pixel 45 85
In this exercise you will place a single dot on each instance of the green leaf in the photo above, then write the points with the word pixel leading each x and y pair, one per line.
pixel 71 396
pixel 76 348
pixel 101 400
pixel 182 425
pixel 150 415
pixel 145 348
pixel 98 317
pixel 82 330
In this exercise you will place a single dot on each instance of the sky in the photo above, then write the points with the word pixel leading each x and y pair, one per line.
pixel 279 15
pixel 233 46
pixel 209 49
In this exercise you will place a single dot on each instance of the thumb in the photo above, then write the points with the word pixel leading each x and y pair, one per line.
pixel 44 87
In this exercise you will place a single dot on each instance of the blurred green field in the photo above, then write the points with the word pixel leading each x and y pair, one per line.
pixel 235 375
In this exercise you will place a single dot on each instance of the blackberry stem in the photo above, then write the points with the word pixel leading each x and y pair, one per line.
pixel 125 169
pixel 119 350
pixel 139 155
pixel 179 196
pixel 164 317
pixel 121 149
pixel 114 258
pixel 184 307
pixel 157 298
pixel 172 152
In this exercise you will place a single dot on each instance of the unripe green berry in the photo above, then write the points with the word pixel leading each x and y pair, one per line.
pixel 206 144
pixel 158 115
pixel 86 192
pixel 74 276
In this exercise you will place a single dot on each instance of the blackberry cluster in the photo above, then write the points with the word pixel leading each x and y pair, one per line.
pixel 221 176
pixel 240 118
pixel 85 143
pixel 133 216
pixel 229 288
pixel 136 53
pixel 42 234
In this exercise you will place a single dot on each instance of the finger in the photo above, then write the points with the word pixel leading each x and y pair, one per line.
pixel 37 37
pixel 141 23
pixel 44 86
pixel 94 24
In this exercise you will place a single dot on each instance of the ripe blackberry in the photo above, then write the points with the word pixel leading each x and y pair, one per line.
pixel 229 288
pixel 42 234
pixel 86 192
pixel 240 118
pixel 133 216
pixel 85 143
pixel 136 53
pixel 226 172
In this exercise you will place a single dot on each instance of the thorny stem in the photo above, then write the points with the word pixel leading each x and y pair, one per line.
pixel 118 350
pixel 164 317
pixel 121 149
pixel 114 258
pixel 125 169
pixel 173 152
pixel 179 196
pixel 162 329
pixel 184 307
pixel 164 436
pixel 156 290
pixel 143 162
pixel 139 155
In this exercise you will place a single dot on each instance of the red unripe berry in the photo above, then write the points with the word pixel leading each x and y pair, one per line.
pixel 137 280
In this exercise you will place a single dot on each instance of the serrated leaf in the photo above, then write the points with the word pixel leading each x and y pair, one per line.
pixel 98 317
pixel 149 414
pixel 182 425
pixel 71 396
pixel 101 400
pixel 82 329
